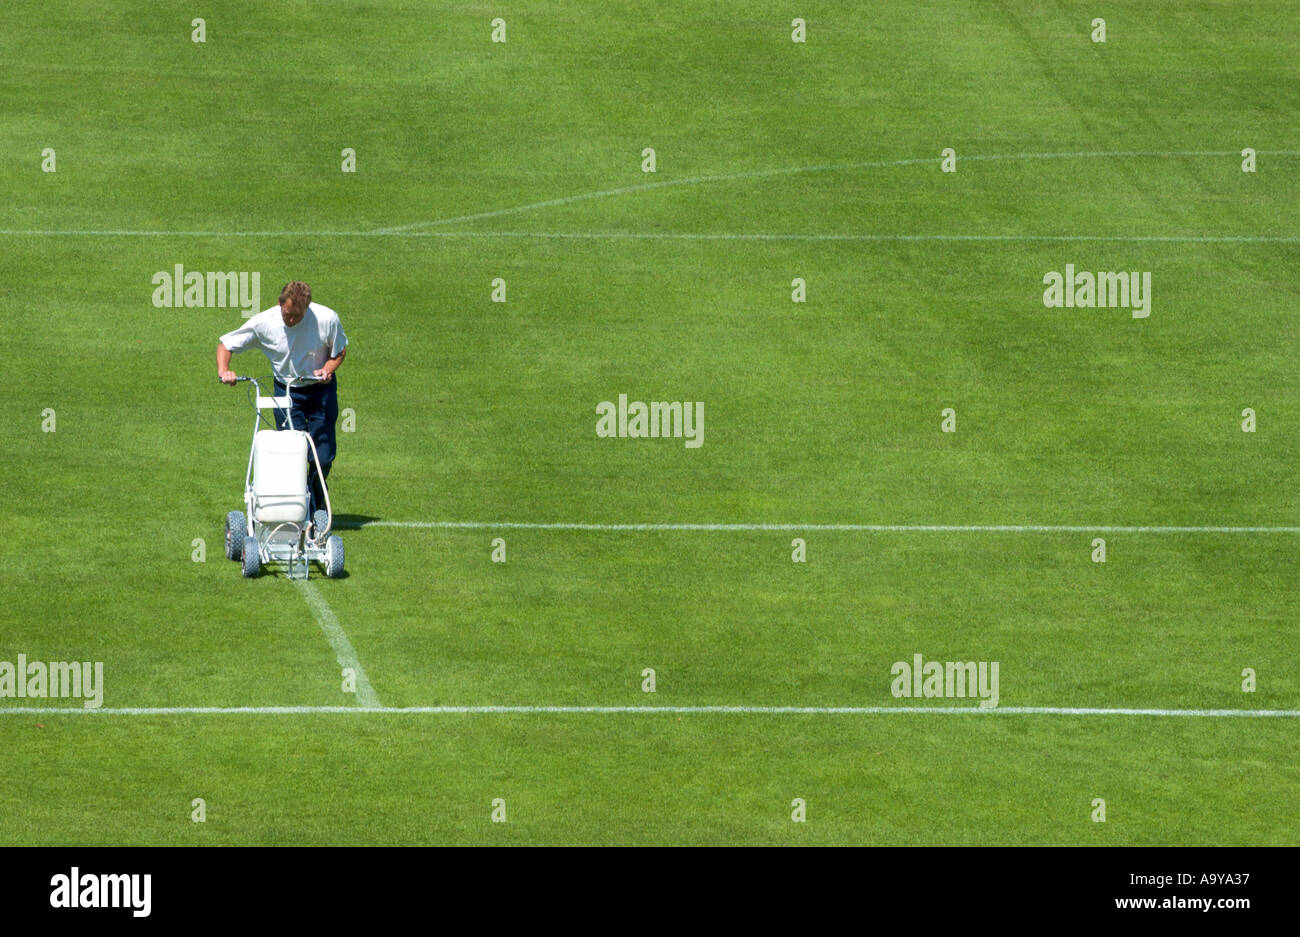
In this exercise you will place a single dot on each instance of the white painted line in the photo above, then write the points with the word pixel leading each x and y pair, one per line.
pixel 653 710
pixel 762 236
pixel 792 170
pixel 338 639
pixel 682 236
pixel 864 528
pixel 415 229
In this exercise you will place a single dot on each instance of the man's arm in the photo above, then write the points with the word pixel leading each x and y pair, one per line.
pixel 232 343
pixel 223 365
pixel 326 374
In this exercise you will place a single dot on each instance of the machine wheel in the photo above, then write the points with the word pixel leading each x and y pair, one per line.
pixel 252 561
pixel 319 521
pixel 236 531
pixel 334 557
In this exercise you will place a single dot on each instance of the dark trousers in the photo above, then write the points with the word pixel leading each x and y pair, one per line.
pixel 315 409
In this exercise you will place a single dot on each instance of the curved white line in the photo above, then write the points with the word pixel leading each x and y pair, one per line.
pixel 829 167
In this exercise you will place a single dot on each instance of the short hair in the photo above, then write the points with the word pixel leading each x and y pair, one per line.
pixel 298 293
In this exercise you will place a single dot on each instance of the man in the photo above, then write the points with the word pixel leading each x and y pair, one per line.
pixel 303 341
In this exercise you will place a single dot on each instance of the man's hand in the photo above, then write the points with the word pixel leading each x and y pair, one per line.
pixel 226 375
pixel 324 375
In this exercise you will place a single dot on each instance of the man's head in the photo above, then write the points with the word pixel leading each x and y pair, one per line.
pixel 293 302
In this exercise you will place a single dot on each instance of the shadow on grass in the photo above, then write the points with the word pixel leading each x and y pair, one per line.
pixel 351 521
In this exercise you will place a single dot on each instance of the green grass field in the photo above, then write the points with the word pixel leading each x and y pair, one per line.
pixel 774 160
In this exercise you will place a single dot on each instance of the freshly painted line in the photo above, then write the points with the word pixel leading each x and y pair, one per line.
pixel 779 236
pixel 792 170
pixel 652 710
pixel 338 639
pixel 865 528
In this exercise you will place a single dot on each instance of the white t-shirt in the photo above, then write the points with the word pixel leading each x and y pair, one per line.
pixel 293 352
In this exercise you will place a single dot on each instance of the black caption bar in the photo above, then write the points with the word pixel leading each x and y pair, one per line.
pixel 143 887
